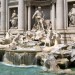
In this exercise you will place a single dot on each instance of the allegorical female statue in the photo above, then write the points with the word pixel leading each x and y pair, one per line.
pixel 72 16
pixel 14 19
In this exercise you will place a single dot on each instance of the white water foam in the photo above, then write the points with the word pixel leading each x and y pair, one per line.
pixel 28 66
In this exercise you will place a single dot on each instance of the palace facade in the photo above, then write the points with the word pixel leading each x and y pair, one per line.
pixel 55 10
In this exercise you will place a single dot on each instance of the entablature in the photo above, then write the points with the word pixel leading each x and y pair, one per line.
pixel 70 0
pixel 39 2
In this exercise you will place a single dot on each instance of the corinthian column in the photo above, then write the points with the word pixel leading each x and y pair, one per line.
pixel 7 15
pixel 21 17
pixel 26 17
pixel 65 14
pixel 29 17
pixel 60 14
pixel 3 15
pixel 53 16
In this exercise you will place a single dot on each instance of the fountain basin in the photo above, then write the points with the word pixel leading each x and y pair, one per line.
pixel 24 56
pixel 23 51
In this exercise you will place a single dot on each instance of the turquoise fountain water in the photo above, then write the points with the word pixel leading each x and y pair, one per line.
pixel 14 70
pixel 28 70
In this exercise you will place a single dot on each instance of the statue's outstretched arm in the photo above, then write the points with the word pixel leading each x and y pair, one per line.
pixel 34 14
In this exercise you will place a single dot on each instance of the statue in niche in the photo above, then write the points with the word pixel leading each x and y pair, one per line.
pixel 39 18
pixel 72 16
pixel 14 19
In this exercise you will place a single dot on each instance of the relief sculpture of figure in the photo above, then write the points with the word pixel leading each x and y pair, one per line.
pixel 14 19
pixel 72 16
pixel 39 17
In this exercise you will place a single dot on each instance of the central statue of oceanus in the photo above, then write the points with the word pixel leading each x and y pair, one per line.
pixel 39 18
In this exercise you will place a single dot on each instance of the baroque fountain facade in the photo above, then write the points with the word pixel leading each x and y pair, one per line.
pixel 32 33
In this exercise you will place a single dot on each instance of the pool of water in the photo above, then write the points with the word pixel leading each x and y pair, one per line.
pixel 31 70
pixel 15 70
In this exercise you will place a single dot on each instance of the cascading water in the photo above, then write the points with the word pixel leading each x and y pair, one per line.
pixel 22 56
pixel 50 63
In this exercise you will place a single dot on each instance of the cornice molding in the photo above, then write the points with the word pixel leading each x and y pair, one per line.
pixel 39 2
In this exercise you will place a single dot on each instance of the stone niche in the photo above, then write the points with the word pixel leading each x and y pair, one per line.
pixel 46 10
pixel 13 18
pixel 71 14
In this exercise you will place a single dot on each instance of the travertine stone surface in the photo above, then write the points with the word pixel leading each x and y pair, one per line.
pixel 53 16
pixel 3 15
pixel 60 14
pixel 29 18
pixel 21 17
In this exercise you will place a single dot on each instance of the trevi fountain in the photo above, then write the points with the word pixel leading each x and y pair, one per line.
pixel 36 52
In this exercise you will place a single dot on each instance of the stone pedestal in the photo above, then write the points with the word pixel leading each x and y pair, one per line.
pixel 59 14
pixel 3 15
pixel 29 17
pixel 21 17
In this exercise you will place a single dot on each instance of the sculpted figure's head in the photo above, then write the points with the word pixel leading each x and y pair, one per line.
pixel 74 5
pixel 39 8
pixel 14 10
